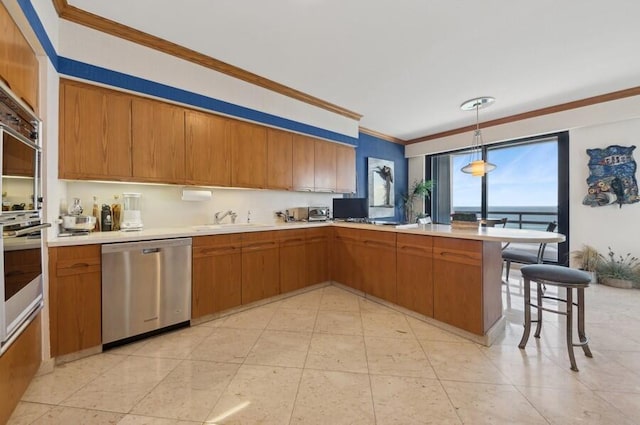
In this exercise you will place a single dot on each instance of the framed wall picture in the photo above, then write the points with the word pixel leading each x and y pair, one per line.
pixel 381 188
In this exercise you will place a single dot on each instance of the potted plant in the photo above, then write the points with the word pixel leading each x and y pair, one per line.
pixel 587 259
pixel 419 190
pixel 618 271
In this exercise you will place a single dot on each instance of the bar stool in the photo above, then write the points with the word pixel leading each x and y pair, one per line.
pixel 563 277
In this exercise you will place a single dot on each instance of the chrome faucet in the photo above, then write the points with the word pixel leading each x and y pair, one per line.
pixel 217 218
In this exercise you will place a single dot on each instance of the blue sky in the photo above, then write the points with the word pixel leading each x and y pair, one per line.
pixel 526 175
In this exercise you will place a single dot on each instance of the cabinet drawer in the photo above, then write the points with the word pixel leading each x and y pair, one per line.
pixel 348 235
pixel 414 245
pixel 458 251
pixel 259 240
pixel 317 235
pixel 292 237
pixel 375 239
pixel 76 259
pixel 209 246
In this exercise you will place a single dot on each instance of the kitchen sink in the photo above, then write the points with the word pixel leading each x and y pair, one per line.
pixel 227 226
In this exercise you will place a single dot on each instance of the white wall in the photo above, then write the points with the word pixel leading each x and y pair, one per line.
pixel 596 126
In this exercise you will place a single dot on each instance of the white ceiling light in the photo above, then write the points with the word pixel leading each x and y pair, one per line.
pixel 477 166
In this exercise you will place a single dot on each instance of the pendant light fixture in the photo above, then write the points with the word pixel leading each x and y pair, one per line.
pixel 477 166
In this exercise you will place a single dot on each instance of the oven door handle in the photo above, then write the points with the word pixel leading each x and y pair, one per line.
pixel 27 230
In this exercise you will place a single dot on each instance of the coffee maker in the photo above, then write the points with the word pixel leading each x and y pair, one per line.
pixel 131 219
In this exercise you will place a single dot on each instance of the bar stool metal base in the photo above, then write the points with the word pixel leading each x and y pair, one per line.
pixel 566 278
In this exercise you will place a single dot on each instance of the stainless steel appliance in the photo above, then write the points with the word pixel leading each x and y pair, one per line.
pixel 20 221
pixel 146 286
pixel 310 213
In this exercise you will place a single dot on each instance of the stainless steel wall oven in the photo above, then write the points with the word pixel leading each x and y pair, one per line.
pixel 21 295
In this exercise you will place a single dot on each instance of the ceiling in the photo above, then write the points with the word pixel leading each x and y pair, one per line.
pixel 407 65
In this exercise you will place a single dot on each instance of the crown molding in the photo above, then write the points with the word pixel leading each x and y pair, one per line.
pixel 381 136
pixel 621 94
pixel 82 17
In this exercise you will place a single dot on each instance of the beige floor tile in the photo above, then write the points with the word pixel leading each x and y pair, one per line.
pixel 491 404
pixel 333 398
pixel 306 301
pixel 174 345
pixel 280 348
pixel 337 299
pixel 26 413
pixel 627 403
pixel 461 362
pixel 339 322
pixel 123 386
pixel 401 357
pixel 189 392
pixel 405 401
pixel 148 420
pixel 295 320
pixel 337 352
pixel 370 306
pixel 66 379
pixel 70 415
pixel 576 407
pixel 423 330
pixel 390 324
pixel 226 345
pixel 258 395
pixel 254 318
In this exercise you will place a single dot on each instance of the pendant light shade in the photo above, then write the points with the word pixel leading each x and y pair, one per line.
pixel 477 166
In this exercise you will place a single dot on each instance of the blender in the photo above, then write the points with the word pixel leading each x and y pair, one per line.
pixel 131 219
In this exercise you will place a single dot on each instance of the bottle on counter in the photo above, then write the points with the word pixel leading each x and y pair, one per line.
pixel 106 218
pixel 96 214
pixel 116 213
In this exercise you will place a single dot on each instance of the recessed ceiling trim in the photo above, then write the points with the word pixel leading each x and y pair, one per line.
pixel 621 94
pixel 381 135
pixel 82 17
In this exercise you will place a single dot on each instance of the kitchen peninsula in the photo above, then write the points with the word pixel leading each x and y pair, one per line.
pixel 447 276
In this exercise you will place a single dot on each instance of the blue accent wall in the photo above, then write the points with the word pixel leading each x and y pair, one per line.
pixel 370 146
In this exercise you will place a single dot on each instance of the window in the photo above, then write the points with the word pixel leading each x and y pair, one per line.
pixel 529 186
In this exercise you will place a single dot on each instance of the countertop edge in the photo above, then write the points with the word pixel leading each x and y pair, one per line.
pixel 439 230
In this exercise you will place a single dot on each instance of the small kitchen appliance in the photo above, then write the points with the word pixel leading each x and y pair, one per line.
pixel 310 213
pixel 131 217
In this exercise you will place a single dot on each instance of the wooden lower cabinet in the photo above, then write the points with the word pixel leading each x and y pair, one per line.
pixel 293 260
pixel 217 274
pixel 345 249
pixel 414 273
pixel 18 366
pixel 317 252
pixel 466 283
pixel 260 266
pixel 75 298
pixel 377 260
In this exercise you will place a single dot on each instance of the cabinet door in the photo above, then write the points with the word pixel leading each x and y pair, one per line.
pixel 208 151
pixel 75 299
pixel 345 169
pixel 325 166
pixel 378 263
pixel 293 260
pixel 346 260
pixel 317 243
pixel 157 141
pixel 279 159
pixel 260 266
pixel 217 274
pixel 414 273
pixel 95 133
pixel 303 153
pixel 457 283
pixel 18 158
pixel 248 154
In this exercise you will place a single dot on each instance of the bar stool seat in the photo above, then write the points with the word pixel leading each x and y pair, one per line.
pixel 570 279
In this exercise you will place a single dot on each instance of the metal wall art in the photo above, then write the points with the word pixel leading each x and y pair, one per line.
pixel 381 188
pixel 612 177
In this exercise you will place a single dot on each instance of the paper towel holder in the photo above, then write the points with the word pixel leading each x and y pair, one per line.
pixel 196 195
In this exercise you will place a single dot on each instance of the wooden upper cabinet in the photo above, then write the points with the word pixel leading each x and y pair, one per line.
pixel 325 166
pixel 345 169
pixel 208 150
pixel 18 62
pixel 303 154
pixel 95 133
pixel 158 147
pixel 279 159
pixel 248 154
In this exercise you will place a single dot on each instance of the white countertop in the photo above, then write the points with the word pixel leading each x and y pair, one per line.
pixel 481 233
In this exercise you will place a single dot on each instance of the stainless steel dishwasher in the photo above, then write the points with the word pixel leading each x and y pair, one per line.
pixel 146 286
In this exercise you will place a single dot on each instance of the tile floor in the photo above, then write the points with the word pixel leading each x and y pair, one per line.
pixel 331 357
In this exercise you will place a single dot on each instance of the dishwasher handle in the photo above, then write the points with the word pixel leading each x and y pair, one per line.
pixel 145 247
pixel 150 250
